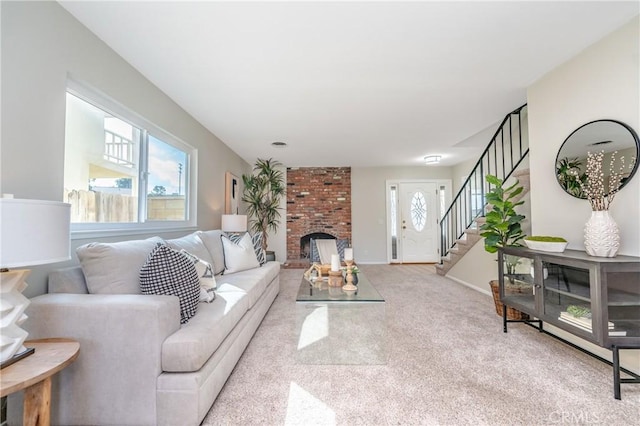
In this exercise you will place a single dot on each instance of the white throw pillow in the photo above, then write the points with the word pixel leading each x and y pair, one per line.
pixel 205 274
pixel 256 239
pixel 239 256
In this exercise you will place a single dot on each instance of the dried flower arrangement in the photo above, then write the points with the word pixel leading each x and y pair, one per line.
pixel 600 196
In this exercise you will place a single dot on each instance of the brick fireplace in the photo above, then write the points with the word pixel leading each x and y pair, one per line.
pixel 318 205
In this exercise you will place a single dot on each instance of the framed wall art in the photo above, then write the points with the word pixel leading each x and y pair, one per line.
pixel 232 193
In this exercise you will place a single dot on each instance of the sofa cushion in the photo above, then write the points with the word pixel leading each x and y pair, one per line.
pixel 213 243
pixel 114 268
pixel 67 280
pixel 169 272
pixel 190 347
pixel 240 255
pixel 253 281
pixel 193 244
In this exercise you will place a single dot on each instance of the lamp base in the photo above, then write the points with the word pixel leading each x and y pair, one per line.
pixel 17 357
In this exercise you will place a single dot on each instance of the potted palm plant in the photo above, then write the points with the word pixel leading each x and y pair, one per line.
pixel 503 228
pixel 570 177
pixel 262 192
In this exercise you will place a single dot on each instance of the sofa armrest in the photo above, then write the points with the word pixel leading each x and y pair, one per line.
pixel 114 378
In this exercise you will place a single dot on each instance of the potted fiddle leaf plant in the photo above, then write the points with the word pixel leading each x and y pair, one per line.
pixel 503 228
pixel 263 190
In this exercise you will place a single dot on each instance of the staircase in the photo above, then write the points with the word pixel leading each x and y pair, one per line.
pixel 459 227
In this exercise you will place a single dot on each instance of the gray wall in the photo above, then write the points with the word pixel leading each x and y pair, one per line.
pixel 368 206
pixel 600 82
pixel 41 44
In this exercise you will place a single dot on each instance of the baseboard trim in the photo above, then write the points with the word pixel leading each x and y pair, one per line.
pixel 471 286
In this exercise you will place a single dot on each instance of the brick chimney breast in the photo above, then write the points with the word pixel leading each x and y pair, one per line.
pixel 318 201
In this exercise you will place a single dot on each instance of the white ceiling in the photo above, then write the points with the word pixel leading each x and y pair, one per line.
pixel 349 83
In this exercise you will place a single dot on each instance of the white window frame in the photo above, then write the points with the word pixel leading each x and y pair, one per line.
pixel 143 226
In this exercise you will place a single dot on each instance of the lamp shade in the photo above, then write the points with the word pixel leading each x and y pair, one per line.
pixel 33 232
pixel 234 223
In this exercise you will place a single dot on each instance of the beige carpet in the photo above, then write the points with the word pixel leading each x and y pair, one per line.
pixel 449 364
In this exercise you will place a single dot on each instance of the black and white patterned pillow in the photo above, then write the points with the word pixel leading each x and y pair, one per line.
pixel 168 272
pixel 256 240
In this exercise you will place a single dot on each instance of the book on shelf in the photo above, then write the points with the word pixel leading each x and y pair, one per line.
pixel 582 321
pixel 575 324
pixel 585 324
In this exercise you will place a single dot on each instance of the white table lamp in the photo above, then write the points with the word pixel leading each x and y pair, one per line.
pixel 32 232
pixel 234 223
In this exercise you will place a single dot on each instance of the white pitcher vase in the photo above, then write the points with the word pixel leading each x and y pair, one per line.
pixel 601 235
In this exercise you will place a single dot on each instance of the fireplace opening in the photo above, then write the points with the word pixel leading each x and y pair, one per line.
pixel 305 242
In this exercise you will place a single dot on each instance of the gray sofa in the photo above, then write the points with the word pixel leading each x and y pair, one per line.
pixel 138 365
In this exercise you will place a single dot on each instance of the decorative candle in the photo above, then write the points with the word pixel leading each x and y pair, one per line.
pixel 348 253
pixel 335 262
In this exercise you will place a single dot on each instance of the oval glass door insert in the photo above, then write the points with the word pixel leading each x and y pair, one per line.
pixel 418 211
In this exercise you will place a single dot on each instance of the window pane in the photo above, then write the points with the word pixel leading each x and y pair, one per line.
pixel 167 167
pixel 418 211
pixel 394 221
pixel 100 165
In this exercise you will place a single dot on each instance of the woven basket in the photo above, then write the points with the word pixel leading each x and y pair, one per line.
pixel 325 269
pixel 512 314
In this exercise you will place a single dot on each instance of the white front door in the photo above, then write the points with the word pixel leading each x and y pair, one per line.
pixel 418 222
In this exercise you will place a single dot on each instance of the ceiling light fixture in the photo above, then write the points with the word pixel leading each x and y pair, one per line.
pixel 432 159
pixel 279 144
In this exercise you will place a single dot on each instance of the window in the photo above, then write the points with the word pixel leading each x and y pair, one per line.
pixel 122 172
pixel 418 211
pixel 393 201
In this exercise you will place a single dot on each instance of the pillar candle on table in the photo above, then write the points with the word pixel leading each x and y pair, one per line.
pixel 348 253
pixel 335 262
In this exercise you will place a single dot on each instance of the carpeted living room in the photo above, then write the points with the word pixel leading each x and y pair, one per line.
pixel 320 213
pixel 448 363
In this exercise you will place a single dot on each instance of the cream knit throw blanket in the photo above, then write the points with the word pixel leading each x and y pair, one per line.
pixel 325 249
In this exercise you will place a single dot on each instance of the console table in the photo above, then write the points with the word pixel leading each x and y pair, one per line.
pixel 33 374
pixel 595 298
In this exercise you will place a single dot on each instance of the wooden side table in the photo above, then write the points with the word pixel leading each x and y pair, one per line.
pixel 34 375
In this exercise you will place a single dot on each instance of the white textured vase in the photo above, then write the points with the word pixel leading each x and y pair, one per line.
pixel 601 235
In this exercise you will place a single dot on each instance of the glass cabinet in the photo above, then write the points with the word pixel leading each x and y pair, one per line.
pixel 595 298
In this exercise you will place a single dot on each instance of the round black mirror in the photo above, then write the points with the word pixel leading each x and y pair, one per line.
pixel 610 136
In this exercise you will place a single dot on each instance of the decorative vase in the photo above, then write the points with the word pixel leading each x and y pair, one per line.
pixel 601 235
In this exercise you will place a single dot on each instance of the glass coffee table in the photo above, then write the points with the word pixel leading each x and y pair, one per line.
pixel 338 327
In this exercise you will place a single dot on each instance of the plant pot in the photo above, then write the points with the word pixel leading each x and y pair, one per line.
pixel 550 246
pixel 512 313
pixel 270 255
